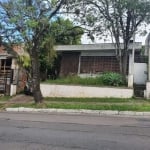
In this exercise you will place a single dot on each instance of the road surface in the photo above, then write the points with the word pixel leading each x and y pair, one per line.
pixel 39 131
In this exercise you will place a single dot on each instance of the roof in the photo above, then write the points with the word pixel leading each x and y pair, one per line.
pixel 3 52
pixel 96 47
pixel 7 52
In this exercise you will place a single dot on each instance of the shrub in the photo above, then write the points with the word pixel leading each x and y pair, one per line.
pixel 113 79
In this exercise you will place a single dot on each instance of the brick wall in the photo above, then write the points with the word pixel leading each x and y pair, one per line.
pixel 22 78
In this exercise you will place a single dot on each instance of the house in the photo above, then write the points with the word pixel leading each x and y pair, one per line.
pixel 92 59
pixel 12 77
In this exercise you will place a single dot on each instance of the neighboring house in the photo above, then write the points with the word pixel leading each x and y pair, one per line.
pixel 92 59
pixel 12 77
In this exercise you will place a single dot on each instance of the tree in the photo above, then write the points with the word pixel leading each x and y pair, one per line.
pixel 121 18
pixel 61 31
pixel 47 55
pixel 65 32
pixel 27 21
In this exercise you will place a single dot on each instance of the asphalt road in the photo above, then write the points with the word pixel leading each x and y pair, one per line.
pixel 23 131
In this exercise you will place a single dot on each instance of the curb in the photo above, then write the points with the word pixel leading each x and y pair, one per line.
pixel 80 111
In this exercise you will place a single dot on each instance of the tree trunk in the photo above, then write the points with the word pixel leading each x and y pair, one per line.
pixel 36 77
pixel 124 63
pixel 120 64
pixel 119 57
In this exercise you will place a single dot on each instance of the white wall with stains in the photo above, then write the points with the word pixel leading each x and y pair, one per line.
pixel 84 91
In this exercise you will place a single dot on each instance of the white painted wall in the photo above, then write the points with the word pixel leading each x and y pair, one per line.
pixel 140 73
pixel 13 90
pixel 130 64
pixel 83 91
pixel 147 91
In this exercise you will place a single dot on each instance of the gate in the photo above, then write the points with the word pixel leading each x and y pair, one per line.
pixel 2 85
pixel 5 82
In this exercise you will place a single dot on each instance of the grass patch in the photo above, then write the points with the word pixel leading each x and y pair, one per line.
pixel 4 98
pixel 90 104
pixel 75 80
pixel 83 103
pixel 1 106
pixel 89 100
pixel 87 106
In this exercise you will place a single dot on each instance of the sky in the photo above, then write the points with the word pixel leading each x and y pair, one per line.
pixel 139 37
pixel 86 40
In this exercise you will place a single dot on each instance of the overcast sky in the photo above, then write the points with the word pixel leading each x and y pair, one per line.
pixel 139 38
pixel 86 40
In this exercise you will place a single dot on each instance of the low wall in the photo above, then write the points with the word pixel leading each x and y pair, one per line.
pixel 84 91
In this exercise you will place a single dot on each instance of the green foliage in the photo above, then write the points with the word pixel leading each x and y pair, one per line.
pixel 24 60
pixel 107 79
pixel 113 79
pixel 64 32
pixel 32 23
pixel 47 54
pixel 60 31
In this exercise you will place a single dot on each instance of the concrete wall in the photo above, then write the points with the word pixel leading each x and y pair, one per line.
pixel 83 91
pixel 89 47
pixel 98 53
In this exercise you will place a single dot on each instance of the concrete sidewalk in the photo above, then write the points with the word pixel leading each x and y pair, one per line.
pixel 80 111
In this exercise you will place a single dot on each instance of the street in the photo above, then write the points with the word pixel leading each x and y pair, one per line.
pixel 43 131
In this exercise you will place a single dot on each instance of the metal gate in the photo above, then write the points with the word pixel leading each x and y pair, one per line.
pixel 2 85
pixel 5 82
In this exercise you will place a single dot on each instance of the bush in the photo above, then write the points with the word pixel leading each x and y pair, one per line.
pixel 113 79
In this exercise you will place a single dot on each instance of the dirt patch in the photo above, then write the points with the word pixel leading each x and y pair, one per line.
pixel 21 99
